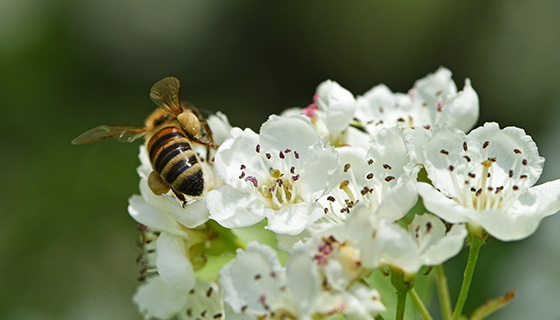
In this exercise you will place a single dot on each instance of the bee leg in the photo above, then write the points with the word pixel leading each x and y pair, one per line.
pixel 204 123
pixel 157 185
pixel 181 197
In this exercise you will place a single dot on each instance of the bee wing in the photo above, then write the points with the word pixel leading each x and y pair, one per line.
pixel 121 133
pixel 165 94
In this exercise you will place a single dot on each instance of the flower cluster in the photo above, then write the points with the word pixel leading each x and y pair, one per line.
pixel 296 218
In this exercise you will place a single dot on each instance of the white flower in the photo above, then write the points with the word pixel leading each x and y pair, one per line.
pixel 382 178
pixel 167 271
pixel 486 179
pixel 338 253
pixel 331 113
pixel 433 99
pixel 168 280
pixel 257 286
pixel 278 175
pixel 426 243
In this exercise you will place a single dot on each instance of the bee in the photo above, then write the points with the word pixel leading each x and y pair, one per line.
pixel 169 132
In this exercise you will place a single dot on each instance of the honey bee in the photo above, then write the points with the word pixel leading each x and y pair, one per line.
pixel 169 131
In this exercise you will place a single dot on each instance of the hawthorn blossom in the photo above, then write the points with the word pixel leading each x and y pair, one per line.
pixel 167 275
pixel 256 285
pixel 278 174
pixel 332 112
pixel 486 179
pixel 433 99
pixel 382 177
pixel 425 243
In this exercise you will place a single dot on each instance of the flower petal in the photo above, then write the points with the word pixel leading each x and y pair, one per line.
pixel 204 299
pixel 339 105
pixel 233 208
pixel 191 217
pixel 174 268
pixel 397 247
pixel 509 146
pixel 447 247
pixel 294 218
pixel 399 199
pixel 166 294
pixel 147 215
pixel 462 110
pixel 251 281
pixel 303 281
pixel 525 215
pixel 155 299
pixel 294 132
pixel 219 124
pixel 235 152
pixel 435 86
pixel 447 209
pixel 319 172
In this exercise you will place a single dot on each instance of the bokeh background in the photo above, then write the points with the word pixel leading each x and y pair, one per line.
pixel 66 241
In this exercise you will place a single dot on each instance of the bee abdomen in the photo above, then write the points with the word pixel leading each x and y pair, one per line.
pixel 174 160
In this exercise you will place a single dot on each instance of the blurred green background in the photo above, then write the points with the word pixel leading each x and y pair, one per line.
pixel 66 240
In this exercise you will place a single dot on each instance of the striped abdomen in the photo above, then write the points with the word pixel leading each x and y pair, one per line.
pixel 174 160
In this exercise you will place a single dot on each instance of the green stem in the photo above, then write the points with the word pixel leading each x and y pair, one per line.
pixel 401 302
pixel 443 291
pixel 475 245
pixel 419 305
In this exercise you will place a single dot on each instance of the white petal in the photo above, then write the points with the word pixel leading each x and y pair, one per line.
pixel 205 298
pixel 155 300
pixel 303 281
pixel 174 268
pixel 393 146
pixel 447 209
pixel 419 138
pixel 462 110
pixel 166 294
pixel 542 200
pixel 447 139
pixel 525 215
pixel 361 226
pixel 145 166
pixel 294 133
pixel 233 208
pixel 192 216
pixel 397 247
pixel 447 247
pixel 147 215
pixel 320 170
pixel 370 103
pixel 356 138
pixel 399 199
pixel 292 219
pixel 240 150
pixel 339 104
pixel 435 85
pixel 219 124
pixel 255 275
pixel 502 143
pixel 368 302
